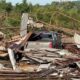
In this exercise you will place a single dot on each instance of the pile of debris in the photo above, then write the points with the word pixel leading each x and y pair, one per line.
pixel 46 62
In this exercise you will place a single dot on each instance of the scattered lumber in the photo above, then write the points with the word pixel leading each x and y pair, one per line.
pixel 16 46
pixel 49 62
pixel 21 42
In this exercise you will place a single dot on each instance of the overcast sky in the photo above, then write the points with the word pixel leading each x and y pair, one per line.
pixel 41 2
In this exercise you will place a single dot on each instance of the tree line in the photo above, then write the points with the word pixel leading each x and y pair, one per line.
pixel 60 14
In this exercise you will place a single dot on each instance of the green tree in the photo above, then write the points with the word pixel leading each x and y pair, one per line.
pixel 8 8
pixel 24 1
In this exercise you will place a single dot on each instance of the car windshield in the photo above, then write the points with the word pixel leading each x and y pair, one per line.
pixel 41 37
pixel 46 36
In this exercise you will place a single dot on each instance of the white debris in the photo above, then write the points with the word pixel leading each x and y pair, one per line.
pixel 1 66
pixel 24 22
pixel 61 74
pixel 12 59
pixel 54 74
pixel 2 48
pixel 44 66
pixel 77 39
pixel 2 36
pixel 24 59
pixel 74 79
pixel 64 52
pixel 78 64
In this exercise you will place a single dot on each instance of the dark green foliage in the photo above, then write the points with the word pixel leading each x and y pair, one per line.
pixel 8 7
pixel 12 22
pixel 23 7
pixel 49 13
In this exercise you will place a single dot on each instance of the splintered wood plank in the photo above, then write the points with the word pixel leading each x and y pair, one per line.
pixel 21 42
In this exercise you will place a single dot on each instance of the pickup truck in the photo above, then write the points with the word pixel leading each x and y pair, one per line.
pixel 44 40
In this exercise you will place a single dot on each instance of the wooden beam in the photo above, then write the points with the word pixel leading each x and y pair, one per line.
pixel 16 46
pixel 21 42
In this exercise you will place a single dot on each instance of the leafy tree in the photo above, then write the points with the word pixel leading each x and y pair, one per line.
pixel 24 1
pixel 8 8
